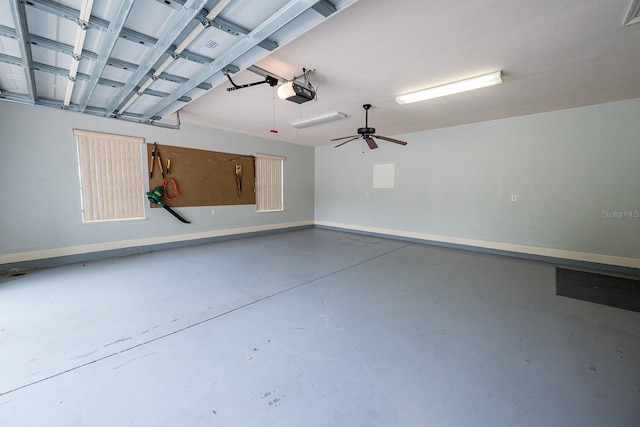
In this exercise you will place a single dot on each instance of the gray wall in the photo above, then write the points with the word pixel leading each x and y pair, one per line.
pixel 576 174
pixel 40 206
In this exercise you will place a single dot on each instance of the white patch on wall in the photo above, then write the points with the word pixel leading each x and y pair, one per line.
pixel 384 175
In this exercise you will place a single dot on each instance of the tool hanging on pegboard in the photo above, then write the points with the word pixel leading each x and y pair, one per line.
pixel 239 178
pixel 155 154
pixel 155 196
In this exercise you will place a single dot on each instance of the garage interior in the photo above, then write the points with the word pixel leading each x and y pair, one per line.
pixel 397 285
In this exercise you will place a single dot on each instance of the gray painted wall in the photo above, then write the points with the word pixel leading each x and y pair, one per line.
pixel 576 174
pixel 40 207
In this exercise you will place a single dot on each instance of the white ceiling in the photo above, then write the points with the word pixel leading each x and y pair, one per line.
pixel 554 54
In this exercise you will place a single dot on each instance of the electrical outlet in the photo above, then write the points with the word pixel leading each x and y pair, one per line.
pixel 213 211
pixel 514 197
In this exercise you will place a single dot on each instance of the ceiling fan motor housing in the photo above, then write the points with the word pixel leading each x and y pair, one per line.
pixel 366 131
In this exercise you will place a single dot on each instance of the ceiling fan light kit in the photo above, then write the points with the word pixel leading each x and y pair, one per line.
pixel 472 83
pixel 336 115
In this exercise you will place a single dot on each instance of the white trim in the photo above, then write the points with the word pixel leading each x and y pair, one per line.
pixel 501 246
pixel 122 244
pixel 486 244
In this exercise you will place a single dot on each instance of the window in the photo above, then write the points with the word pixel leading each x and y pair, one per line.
pixel 110 176
pixel 269 192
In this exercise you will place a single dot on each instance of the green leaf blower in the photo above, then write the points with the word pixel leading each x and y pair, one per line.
pixel 155 196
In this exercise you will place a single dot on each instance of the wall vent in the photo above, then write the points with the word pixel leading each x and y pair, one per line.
pixel 633 17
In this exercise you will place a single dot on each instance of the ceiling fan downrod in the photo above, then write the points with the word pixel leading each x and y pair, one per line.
pixel 366 130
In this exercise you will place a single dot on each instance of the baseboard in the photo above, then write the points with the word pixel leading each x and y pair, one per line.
pixel 23 261
pixel 585 260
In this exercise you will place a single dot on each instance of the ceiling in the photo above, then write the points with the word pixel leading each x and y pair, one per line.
pixel 145 60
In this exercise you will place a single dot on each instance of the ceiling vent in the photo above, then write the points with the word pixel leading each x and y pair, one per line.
pixel 633 17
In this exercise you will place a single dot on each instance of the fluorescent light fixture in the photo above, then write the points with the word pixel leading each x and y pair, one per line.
pixel 478 82
pixel 336 115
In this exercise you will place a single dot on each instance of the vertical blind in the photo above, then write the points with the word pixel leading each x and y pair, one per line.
pixel 110 176
pixel 269 190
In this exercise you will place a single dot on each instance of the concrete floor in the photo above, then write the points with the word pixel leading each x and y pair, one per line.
pixel 312 328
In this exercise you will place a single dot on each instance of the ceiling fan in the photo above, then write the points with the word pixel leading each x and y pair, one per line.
pixel 367 133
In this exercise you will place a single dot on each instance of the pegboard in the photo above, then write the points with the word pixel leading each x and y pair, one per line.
pixel 203 178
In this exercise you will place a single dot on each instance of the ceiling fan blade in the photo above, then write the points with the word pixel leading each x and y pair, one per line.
pixel 342 143
pixel 345 137
pixel 371 143
pixel 397 141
